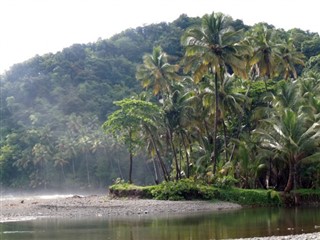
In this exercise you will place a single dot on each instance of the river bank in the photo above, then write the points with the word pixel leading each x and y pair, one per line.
pixel 103 206
pixel 77 206
pixel 306 236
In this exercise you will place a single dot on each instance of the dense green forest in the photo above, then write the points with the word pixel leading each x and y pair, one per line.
pixel 205 98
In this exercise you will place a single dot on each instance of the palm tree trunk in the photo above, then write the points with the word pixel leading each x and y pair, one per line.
pixel 156 178
pixel 63 174
pixel 214 154
pixel 87 168
pixel 163 167
pixel 225 140
pixel 240 121
pixel 187 156
pixel 178 174
pixel 289 185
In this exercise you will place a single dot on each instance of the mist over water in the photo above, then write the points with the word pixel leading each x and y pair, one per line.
pixel 30 197
pixel 47 195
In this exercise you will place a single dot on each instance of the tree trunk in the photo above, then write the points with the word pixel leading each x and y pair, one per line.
pixel 178 174
pixel 130 167
pixel 156 179
pixel 214 154
pixel 130 158
pixel 119 168
pixel 63 174
pixel 240 121
pixel 225 140
pixel 73 170
pixel 163 167
pixel 87 168
pixel 187 156
pixel 289 185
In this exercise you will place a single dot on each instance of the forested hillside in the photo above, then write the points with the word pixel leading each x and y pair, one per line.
pixel 53 107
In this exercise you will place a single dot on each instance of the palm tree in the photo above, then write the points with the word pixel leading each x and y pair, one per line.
pixel 290 58
pixel 179 110
pixel 231 105
pixel 290 133
pixel 156 72
pixel 292 140
pixel 212 49
pixel 266 53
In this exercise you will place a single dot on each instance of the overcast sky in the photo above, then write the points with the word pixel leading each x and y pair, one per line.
pixel 30 27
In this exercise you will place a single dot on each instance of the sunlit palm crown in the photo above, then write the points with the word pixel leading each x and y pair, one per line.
pixel 217 45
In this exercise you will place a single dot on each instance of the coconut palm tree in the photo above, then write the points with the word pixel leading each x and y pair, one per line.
pixel 156 72
pixel 213 49
pixel 290 133
pixel 292 140
pixel 266 54
pixel 290 59
pixel 179 111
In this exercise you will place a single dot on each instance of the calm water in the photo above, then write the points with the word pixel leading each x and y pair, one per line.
pixel 231 224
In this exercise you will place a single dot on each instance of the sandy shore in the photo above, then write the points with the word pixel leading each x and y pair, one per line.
pixel 13 209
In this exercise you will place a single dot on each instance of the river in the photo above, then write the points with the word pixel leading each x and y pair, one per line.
pixel 248 222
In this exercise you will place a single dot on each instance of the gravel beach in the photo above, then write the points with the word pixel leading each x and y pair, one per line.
pixel 78 206
pixel 306 236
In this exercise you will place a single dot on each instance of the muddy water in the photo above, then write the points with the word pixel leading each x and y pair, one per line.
pixel 221 225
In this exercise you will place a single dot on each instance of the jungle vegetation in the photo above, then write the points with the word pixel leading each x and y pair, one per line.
pixel 210 99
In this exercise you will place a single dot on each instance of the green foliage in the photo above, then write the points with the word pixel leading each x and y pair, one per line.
pixel 307 191
pixel 52 107
pixel 311 47
pixel 313 64
pixel 310 175
pixel 185 189
pixel 225 182
pixel 249 197
pixel 123 189
pixel 307 196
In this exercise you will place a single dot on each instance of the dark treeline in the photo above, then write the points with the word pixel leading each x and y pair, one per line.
pixel 178 112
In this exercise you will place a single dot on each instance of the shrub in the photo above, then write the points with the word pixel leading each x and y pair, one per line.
pixel 185 189
pixel 250 197
pixel 307 196
pixel 225 182
pixel 123 189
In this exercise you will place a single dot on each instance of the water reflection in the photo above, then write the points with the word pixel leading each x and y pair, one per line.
pixel 221 225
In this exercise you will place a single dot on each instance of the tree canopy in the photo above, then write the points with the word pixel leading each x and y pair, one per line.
pixel 204 98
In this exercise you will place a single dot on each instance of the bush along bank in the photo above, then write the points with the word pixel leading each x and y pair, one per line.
pixel 301 197
pixel 187 189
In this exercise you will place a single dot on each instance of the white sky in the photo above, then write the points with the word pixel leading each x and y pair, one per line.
pixel 30 27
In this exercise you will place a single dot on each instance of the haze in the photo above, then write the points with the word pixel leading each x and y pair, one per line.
pixel 30 27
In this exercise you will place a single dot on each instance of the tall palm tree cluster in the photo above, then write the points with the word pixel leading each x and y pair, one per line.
pixel 233 106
